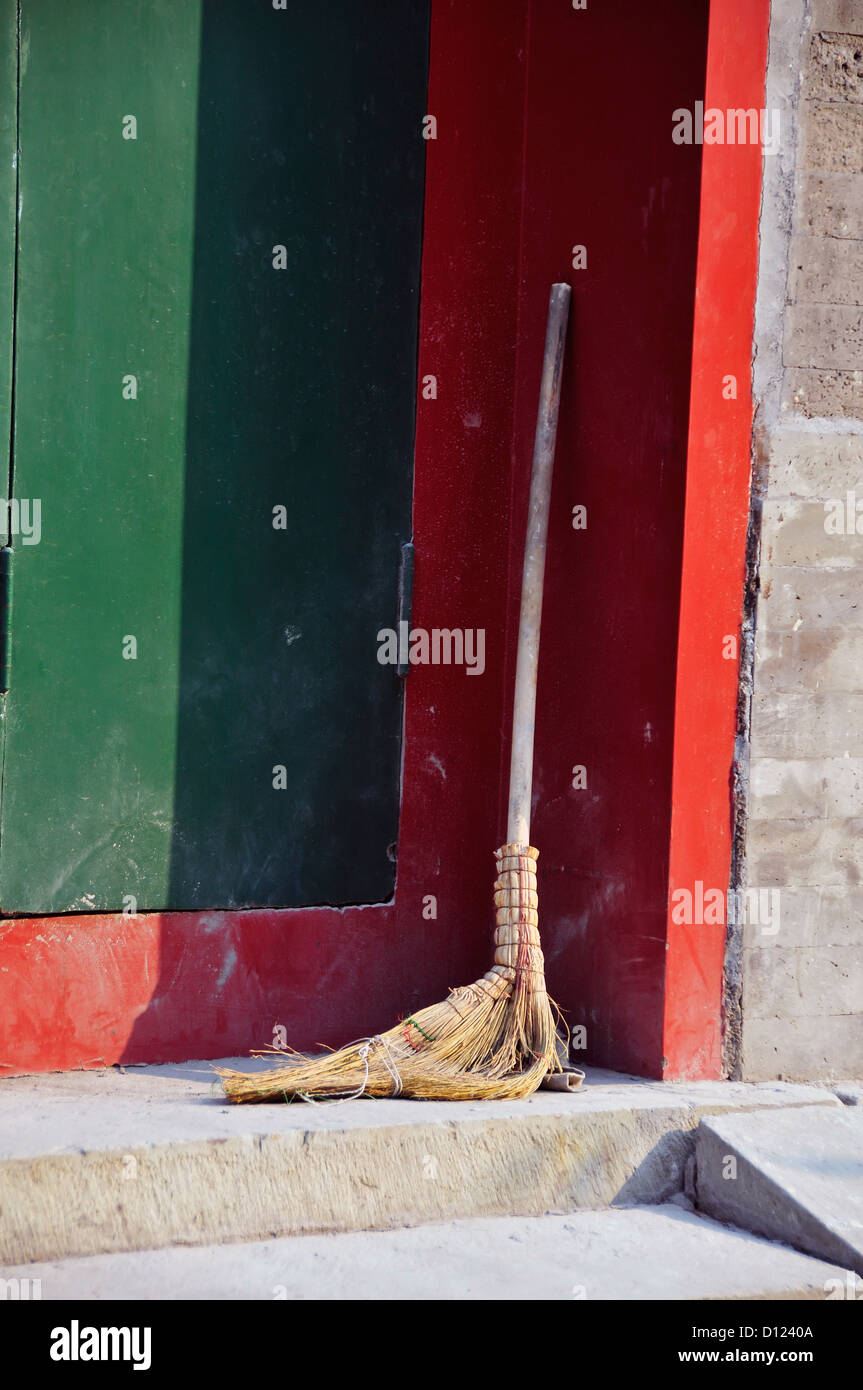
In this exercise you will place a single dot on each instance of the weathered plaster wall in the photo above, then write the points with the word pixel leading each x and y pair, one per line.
pixel 801 1005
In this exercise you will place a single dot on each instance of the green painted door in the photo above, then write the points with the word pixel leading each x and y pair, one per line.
pixel 218 260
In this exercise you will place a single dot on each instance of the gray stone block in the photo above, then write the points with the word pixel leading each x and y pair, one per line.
pixel 793 597
pixel 787 724
pixel 824 336
pixel 807 853
pixel 834 71
pixel 833 137
pixel 769 982
pixel 818 1049
pixel 823 394
pixel 830 204
pixel 811 917
pixel 840 919
pixel 825 270
pixel 798 788
pixel 813 661
pixel 811 465
pixel 792 1176
pixel 812 983
pixel 795 532
pixel 838 16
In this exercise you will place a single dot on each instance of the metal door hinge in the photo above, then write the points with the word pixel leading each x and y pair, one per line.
pixel 406 594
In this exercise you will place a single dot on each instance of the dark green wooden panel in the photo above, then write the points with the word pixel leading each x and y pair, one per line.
pixel 257 388
pixel 8 205
pixel 8 180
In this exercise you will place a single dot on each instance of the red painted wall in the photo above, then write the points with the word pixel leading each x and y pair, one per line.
pixel 554 128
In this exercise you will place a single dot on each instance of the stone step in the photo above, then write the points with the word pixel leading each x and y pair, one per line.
pixel 794 1175
pixel 135 1159
pixel 660 1252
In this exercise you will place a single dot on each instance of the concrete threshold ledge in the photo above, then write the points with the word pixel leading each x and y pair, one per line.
pixel 95 1162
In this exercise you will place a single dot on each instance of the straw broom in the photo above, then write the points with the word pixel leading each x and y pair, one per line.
pixel 498 1037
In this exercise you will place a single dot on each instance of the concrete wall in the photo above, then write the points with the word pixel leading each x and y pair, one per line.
pixel 801 818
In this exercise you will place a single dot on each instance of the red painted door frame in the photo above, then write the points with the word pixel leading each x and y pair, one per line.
pixel 714 544
pixel 94 990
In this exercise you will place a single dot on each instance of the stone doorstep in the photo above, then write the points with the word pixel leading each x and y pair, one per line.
pixel 660 1252
pixel 98 1162
pixel 794 1175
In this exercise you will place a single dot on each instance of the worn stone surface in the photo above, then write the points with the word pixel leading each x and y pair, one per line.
pixel 811 534
pixel 91 1163
pixel 791 725
pixel 795 597
pixel 830 205
pixel 824 394
pixel 825 335
pixel 810 661
pixel 809 464
pixel 835 68
pixel 784 981
pixel 791 1176
pixel 825 270
pixel 656 1252
pixel 803 853
pixel 833 138
pixel 795 1047
pixel 816 787
pixel 814 918
pixel 838 16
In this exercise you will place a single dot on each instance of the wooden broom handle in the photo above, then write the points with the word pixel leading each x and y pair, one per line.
pixel 530 617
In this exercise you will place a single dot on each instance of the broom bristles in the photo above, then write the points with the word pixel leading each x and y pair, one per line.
pixel 494 1039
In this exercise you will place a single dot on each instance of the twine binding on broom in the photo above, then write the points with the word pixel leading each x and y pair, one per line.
pixel 495 1038
pixel 364 1045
